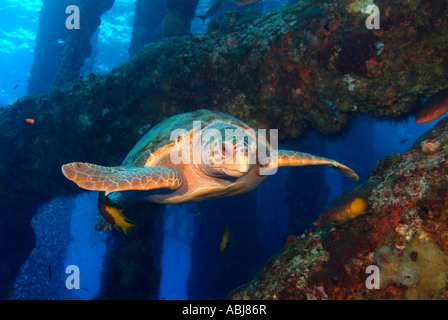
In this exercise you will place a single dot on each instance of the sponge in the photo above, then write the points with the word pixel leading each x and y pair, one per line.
pixel 422 269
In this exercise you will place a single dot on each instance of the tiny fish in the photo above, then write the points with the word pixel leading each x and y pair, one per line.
pixel 334 109
pixel 433 108
pixel 49 271
pixel 244 2
pixel 342 211
pixel 16 86
pixel 403 141
pixel 30 121
pixel 379 46
pixel 112 215
pixel 213 9
pixel 225 239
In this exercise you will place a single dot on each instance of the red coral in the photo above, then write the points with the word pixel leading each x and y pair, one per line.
pixel 374 68
pixel 341 271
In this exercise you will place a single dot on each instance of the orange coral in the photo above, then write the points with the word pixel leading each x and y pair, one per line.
pixel 374 68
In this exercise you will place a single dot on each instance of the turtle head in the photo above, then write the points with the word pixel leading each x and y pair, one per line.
pixel 229 154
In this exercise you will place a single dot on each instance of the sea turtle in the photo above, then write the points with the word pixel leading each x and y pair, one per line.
pixel 164 166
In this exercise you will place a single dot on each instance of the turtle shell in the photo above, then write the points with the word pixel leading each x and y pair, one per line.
pixel 157 141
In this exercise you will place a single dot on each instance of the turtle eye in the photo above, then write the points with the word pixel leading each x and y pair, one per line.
pixel 242 149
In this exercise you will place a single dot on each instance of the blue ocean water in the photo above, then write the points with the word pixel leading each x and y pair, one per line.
pixel 18 27
pixel 64 226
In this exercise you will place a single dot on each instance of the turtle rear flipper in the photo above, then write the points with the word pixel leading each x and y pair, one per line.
pixel 288 158
pixel 111 179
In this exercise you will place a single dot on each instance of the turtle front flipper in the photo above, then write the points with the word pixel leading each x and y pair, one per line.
pixel 288 158
pixel 94 177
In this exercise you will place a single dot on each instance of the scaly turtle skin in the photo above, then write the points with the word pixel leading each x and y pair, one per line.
pixel 149 172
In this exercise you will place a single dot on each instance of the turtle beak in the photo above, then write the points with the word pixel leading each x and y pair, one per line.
pixel 241 162
pixel 236 171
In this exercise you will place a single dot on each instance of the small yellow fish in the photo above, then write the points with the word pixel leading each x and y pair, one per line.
pixel 341 212
pixel 225 239
pixel 112 215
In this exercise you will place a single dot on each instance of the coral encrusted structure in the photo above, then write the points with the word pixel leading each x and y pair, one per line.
pixel 404 234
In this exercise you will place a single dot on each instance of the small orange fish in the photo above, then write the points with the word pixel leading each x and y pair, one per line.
pixel 30 121
pixel 342 211
pixel 433 108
